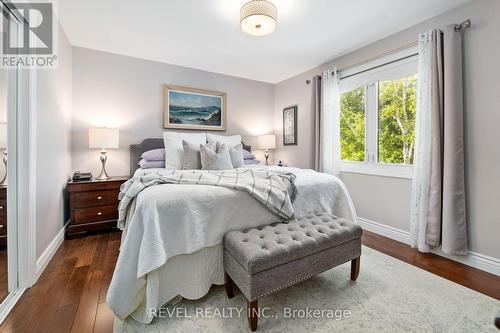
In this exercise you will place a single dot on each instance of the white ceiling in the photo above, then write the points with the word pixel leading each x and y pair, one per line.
pixel 205 34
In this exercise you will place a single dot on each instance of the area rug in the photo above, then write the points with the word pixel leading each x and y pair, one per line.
pixel 389 296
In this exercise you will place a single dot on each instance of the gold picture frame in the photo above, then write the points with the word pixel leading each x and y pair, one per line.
pixel 194 109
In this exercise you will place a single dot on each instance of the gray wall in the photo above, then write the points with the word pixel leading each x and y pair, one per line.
pixel 387 200
pixel 124 92
pixel 53 100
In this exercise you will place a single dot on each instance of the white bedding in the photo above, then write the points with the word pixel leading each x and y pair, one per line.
pixel 173 229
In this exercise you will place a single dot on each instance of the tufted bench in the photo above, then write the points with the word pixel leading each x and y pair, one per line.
pixel 266 259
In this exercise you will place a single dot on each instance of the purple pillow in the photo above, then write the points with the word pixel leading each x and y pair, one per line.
pixel 154 155
pixel 251 161
pixel 145 164
pixel 248 155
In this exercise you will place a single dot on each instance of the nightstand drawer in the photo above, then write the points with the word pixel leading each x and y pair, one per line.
pixel 93 205
pixel 96 198
pixel 3 208
pixel 94 214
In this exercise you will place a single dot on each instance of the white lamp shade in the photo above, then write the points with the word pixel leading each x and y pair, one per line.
pixel 104 138
pixel 3 135
pixel 267 141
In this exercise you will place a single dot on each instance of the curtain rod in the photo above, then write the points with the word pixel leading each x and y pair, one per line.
pixel 458 27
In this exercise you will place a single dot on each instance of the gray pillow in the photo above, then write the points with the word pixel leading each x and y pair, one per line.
pixel 191 157
pixel 215 159
pixel 236 153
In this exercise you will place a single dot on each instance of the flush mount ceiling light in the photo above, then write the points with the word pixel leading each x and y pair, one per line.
pixel 258 17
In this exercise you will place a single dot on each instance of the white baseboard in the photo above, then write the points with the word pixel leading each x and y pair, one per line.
pixel 48 253
pixel 473 259
pixel 9 302
pixel 384 230
pixel 476 260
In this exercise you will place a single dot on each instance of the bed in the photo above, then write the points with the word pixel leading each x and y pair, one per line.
pixel 171 242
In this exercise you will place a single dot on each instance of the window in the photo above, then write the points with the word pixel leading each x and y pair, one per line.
pixel 352 125
pixel 377 118
pixel 397 106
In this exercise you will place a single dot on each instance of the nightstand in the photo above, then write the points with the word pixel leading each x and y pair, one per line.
pixel 3 215
pixel 93 205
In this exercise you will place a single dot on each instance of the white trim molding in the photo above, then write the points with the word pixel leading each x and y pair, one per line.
pixel 378 169
pixel 9 302
pixel 476 260
pixel 48 254
pixel 384 230
pixel 472 259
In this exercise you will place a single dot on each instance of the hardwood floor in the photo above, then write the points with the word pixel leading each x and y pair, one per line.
pixel 4 287
pixel 71 294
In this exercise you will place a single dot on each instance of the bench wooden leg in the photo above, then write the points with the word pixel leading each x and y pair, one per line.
pixel 355 268
pixel 228 284
pixel 252 311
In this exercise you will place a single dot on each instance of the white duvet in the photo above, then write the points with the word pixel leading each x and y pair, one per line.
pixel 171 229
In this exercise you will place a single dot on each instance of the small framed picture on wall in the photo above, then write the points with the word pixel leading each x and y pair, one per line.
pixel 290 126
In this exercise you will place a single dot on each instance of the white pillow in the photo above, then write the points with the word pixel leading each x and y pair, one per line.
pixel 230 141
pixel 236 154
pixel 215 160
pixel 203 156
pixel 173 147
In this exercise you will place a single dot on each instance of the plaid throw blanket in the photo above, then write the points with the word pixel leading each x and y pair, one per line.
pixel 274 190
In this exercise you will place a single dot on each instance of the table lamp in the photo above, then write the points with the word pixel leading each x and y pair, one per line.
pixel 103 138
pixel 3 145
pixel 267 142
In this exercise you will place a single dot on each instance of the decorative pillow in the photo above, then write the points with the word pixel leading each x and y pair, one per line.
pixel 236 154
pixel 215 160
pixel 248 155
pixel 229 141
pixel 173 146
pixel 145 164
pixel 154 155
pixel 191 157
pixel 211 146
pixel 253 161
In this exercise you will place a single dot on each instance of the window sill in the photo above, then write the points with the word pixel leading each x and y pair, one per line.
pixel 378 169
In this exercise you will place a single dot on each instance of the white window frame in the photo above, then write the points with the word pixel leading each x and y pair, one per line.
pixel 371 166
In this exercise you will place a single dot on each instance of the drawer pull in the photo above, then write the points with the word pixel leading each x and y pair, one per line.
pixel 99 198
pixel 1 226
pixel 1 207
pixel 99 214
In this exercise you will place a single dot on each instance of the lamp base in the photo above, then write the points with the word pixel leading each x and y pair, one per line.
pixel 266 155
pixel 103 175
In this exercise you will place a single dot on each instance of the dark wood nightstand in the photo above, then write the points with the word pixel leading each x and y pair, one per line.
pixel 93 205
pixel 3 215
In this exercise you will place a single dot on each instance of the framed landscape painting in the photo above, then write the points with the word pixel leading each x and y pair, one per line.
pixel 290 126
pixel 196 109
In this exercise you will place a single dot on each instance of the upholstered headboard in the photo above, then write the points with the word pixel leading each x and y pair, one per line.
pixel 148 144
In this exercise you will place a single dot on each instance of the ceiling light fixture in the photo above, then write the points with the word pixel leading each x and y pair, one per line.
pixel 258 17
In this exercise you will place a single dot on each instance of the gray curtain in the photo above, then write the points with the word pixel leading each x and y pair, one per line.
pixel 316 101
pixel 446 212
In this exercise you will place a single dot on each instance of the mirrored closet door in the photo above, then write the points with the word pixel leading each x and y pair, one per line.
pixel 9 94
pixel 3 185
